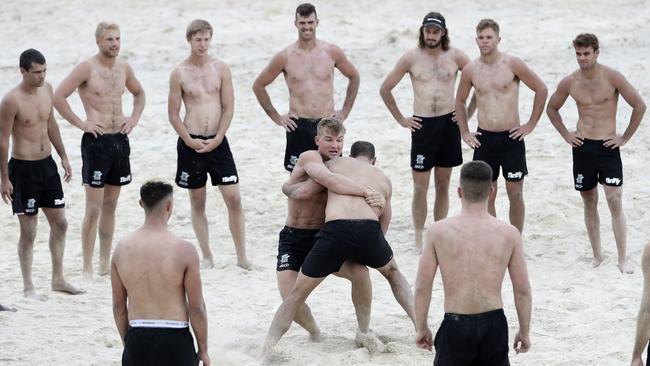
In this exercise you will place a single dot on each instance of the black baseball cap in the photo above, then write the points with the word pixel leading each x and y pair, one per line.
pixel 435 20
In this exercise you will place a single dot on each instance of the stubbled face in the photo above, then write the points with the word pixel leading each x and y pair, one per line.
pixel 306 26
pixel 109 43
pixel 586 57
pixel 432 36
pixel 487 41
pixel 200 43
pixel 330 145
pixel 35 76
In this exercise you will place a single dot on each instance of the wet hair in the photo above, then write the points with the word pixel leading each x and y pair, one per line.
pixel 103 27
pixel 305 10
pixel 444 42
pixel 363 148
pixel 476 180
pixel 196 26
pixel 586 40
pixel 330 124
pixel 487 23
pixel 29 57
pixel 153 192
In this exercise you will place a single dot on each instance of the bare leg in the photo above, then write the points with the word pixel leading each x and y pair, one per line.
pixel 287 311
pixel 361 291
pixel 492 200
pixel 236 223
pixel 614 197
pixel 592 222
pixel 200 224
pixel 58 228
pixel 304 318
pixel 441 177
pixel 401 288
pixel 419 204
pixel 94 197
pixel 107 227
pixel 26 240
pixel 515 190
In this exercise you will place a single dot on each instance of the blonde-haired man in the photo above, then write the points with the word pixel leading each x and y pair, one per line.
pixel 100 81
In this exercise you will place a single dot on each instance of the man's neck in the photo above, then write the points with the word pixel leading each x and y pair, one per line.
pixel 28 89
pixel 491 58
pixel 307 45
pixel 198 60
pixel 106 61
pixel 437 51
pixel 153 221
pixel 591 72
pixel 474 208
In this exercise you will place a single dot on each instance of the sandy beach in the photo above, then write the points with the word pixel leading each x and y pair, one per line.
pixel 581 316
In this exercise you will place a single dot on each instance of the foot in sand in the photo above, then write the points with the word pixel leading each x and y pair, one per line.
pixel 87 276
pixel 245 264
pixel 370 342
pixel 31 294
pixel 596 261
pixel 104 270
pixel 207 263
pixel 625 267
pixel 316 336
pixel 4 308
pixel 63 286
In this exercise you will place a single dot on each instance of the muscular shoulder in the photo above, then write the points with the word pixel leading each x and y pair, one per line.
pixel 612 75
pixel 309 155
pixel 460 57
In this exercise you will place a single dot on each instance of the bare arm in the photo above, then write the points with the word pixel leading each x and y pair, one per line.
pixel 273 69
pixel 531 80
pixel 303 190
pixel 387 212
pixel 227 102
pixel 423 284
pixel 643 319
pixel 462 93
pixel 195 302
pixel 316 169
pixel 55 138
pixel 120 310
pixel 462 60
pixel 394 77
pixel 632 98
pixel 174 102
pixel 8 111
pixel 349 71
pixel 79 75
pixel 521 289
pixel 134 87
pixel 553 112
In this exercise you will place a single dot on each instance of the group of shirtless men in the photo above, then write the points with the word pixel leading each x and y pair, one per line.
pixel 339 208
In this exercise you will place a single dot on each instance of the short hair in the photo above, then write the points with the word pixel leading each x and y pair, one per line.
pixel 363 148
pixel 487 23
pixel 444 41
pixel 586 40
pixel 476 180
pixel 153 192
pixel 29 57
pixel 103 27
pixel 305 10
pixel 330 124
pixel 196 26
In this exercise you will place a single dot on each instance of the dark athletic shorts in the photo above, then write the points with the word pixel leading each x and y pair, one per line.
pixel 472 340
pixel 339 240
pixel 36 184
pixel 105 159
pixel 159 346
pixel 192 168
pixel 595 163
pixel 300 140
pixel 437 143
pixel 293 247
pixel 499 150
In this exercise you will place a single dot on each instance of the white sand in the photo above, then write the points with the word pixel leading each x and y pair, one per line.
pixel 581 316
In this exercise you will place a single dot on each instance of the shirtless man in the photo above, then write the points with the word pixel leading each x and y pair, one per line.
pixel 473 250
pixel 353 231
pixel 435 138
pixel 30 180
pixel 499 140
pixel 157 274
pixel 643 319
pixel 308 68
pixel 596 145
pixel 204 84
pixel 105 148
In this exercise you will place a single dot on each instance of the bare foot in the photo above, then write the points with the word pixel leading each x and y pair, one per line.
pixel 63 286
pixel 88 276
pixel 596 261
pixel 4 308
pixel 103 270
pixel 245 264
pixel 369 341
pixel 207 263
pixel 31 294
pixel 625 267
pixel 316 336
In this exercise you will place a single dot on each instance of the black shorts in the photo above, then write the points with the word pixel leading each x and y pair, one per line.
pixel 105 159
pixel 300 140
pixel 477 339
pixel 339 240
pixel 293 247
pixel 159 346
pixel 499 150
pixel 595 163
pixel 437 143
pixel 192 168
pixel 36 184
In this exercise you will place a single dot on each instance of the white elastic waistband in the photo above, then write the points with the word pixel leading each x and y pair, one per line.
pixel 155 323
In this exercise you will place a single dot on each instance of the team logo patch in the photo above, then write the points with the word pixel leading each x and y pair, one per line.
pixel 579 179
pixel 125 179
pixel 613 181
pixel 59 201
pixel 293 160
pixel 515 175
pixel 284 261
pixel 31 202
pixel 232 178
pixel 97 175
pixel 419 162
pixel 184 176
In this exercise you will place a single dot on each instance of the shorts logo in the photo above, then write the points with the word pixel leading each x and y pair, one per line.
pixel 97 177
pixel 614 181
pixel 232 178
pixel 293 160
pixel 31 202
pixel 125 179
pixel 284 261
pixel 419 161
pixel 58 201
pixel 515 175
pixel 579 178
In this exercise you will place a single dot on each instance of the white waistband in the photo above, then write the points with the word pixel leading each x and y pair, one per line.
pixel 156 323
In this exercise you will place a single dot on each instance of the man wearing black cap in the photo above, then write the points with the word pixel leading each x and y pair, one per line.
pixel 435 138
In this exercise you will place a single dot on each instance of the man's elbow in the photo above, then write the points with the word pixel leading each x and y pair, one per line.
pixel 542 91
